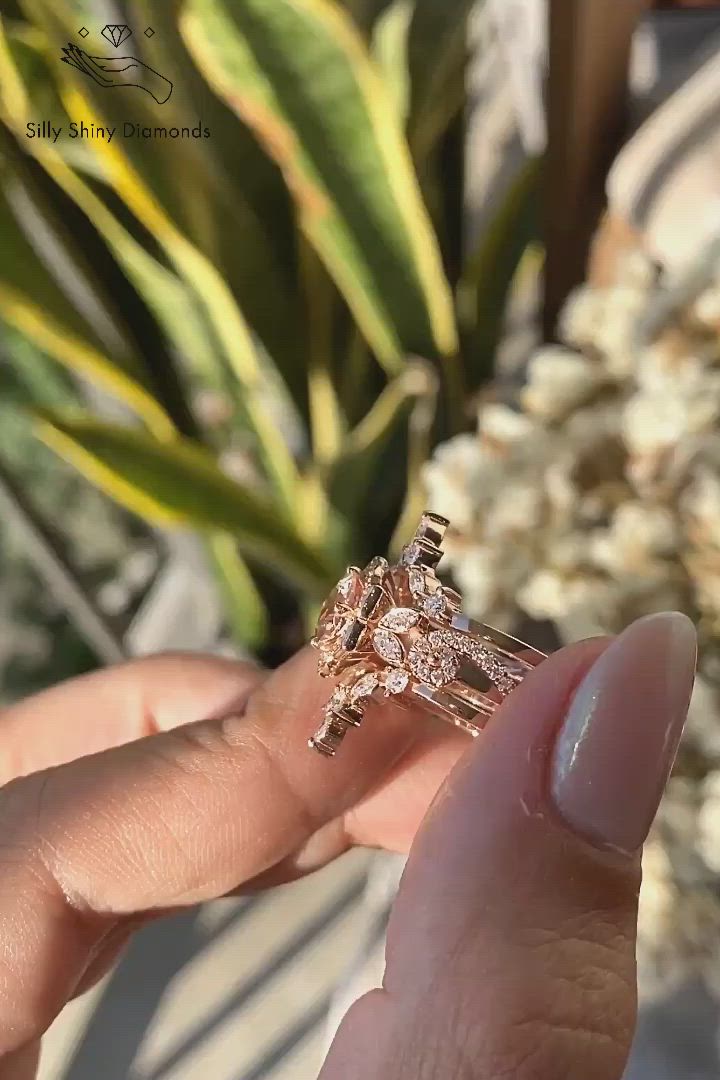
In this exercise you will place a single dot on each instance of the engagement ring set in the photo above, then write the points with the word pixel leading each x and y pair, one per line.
pixel 396 631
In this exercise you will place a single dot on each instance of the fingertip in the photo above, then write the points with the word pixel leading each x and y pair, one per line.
pixel 490 832
pixel 619 736
pixel 493 867
pixel 526 723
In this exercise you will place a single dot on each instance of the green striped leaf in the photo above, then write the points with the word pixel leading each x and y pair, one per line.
pixel 437 56
pixel 298 72
pixel 390 50
pixel 212 290
pixel 236 227
pixel 32 302
pixel 245 609
pixel 179 484
pixel 485 287
pixel 365 13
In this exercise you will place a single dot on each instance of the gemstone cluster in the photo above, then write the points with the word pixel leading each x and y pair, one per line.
pixel 387 630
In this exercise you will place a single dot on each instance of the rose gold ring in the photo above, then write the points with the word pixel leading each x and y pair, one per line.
pixel 398 631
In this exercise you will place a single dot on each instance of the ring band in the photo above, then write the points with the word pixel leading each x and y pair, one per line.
pixel 397 631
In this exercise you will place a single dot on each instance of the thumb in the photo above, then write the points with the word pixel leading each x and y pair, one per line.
pixel 511 947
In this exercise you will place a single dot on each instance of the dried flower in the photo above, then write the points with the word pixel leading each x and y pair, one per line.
pixel 596 501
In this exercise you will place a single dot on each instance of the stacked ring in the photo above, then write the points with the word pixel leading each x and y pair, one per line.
pixel 396 630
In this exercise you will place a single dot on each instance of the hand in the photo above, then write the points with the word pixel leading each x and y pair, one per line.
pixel 114 71
pixel 511 945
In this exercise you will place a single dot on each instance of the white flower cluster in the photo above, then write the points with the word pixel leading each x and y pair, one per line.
pixel 597 500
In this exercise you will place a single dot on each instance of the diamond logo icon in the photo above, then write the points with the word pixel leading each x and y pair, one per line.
pixel 116 33
pixel 83 31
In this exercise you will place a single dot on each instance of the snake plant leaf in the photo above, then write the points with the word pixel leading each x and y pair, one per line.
pixel 36 240
pixel 238 228
pixel 179 484
pixel 32 302
pixel 390 50
pixel 22 270
pixel 112 302
pixel 359 468
pixel 232 333
pixel 30 379
pixel 162 290
pixel 253 229
pixel 365 13
pixel 437 56
pixel 245 609
pixel 325 412
pixel 485 286
pixel 299 74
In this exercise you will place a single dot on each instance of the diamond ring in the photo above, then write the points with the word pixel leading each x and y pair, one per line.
pixel 397 631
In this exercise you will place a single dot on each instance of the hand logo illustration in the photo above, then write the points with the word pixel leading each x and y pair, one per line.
pixel 115 71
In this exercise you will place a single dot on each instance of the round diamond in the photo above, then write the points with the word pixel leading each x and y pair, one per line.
pixel 400 619
pixel 495 668
pixel 378 565
pixel 435 605
pixel 395 682
pixel 388 646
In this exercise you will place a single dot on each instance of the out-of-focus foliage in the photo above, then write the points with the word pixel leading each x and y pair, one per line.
pixel 269 300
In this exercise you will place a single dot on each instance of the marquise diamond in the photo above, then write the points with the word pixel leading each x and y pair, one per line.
pixel 364 686
pixel 388 646
pixel 400 619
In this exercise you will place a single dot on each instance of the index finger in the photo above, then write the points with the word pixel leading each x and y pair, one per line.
pixel 94 712
pixel 168 820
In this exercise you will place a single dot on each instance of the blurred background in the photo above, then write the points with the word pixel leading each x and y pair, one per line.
pixel 300 270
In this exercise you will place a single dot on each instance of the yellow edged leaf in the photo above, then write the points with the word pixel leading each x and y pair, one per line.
pixel 180 484
pixel 299 74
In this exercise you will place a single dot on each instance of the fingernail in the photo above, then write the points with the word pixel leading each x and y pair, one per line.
pixel 618 741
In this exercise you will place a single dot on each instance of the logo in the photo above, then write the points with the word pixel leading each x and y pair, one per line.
pixel 116 33
pixel 116 72
pixel 111 73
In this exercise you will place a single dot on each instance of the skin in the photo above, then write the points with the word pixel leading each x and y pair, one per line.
pixel 511 945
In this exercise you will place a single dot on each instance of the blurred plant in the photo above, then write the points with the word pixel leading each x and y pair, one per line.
pixel 57 566
pixel 595 499
pixel 271 306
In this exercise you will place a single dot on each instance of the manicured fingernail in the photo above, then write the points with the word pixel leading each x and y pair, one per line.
pixel 618 741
